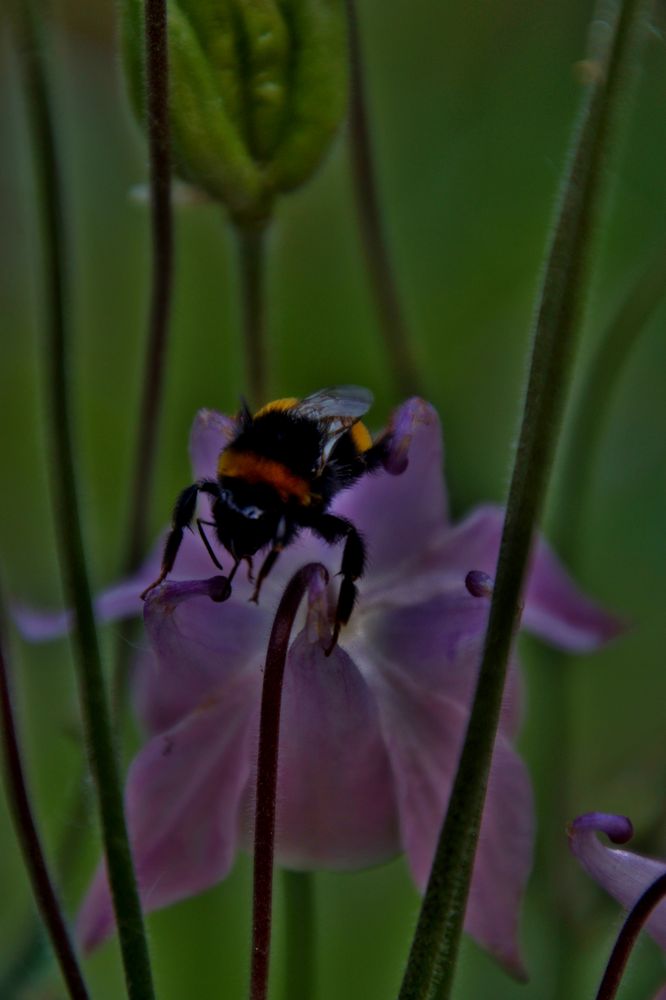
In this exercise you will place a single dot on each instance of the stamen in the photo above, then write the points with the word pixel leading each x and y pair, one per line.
pixel 220 589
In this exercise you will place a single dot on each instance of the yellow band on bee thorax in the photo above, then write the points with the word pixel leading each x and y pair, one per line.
pixel 360 435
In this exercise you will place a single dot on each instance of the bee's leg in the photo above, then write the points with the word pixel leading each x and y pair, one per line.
pixel 283 536
pixel 250 574
pixel 204 539
pixel 183 513
pixel 333 529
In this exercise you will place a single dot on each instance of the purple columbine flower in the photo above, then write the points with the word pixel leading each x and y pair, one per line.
pixel 370 736
pixel 623 874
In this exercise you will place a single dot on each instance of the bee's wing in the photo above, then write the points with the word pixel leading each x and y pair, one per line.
pixel 335 409
pixel 339 402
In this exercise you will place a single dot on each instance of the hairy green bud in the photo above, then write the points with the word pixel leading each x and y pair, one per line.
pixel 257 89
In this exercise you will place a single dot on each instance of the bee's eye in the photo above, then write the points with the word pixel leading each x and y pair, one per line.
pixel 253 512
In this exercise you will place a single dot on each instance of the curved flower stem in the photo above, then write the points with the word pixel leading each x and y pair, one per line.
pixel 382 274
pixel 432 959
pixel 306 578
pixel 252 261
pixel 159 143
pixel 90 677
pixel 594 399
pixel 631 928
pixel 299 928
pixel 157 83
pixel 26 831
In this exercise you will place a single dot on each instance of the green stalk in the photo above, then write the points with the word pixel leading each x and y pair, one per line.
pixel 251 242
pixel 90 677
pixel 431 964
pixel 298 888
pixel 380 266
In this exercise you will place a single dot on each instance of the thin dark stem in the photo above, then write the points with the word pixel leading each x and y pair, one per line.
pixel 252 260
pixel 26 831
pixel 300 935
pixel 434 950
pixel 90 676
pixel 157 83
pixel 267 770
pixel 382 273
pixel 627 938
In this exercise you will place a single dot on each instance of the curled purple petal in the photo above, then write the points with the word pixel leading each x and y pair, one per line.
pixel 618 829
pixel 623 874
pixel 403 425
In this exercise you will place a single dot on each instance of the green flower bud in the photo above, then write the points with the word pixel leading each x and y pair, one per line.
pixel 257 90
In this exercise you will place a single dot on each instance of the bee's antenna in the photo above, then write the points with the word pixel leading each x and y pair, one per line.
pixel 245 413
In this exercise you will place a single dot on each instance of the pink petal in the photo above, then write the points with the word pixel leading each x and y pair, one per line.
pixel 424 732
pixel 336 805
pixel 623 874
pixel 121 600
pixel 401 515
pixel 211 432
pixel 182 805
pixel 197 645
pixel 438 643
pixel 555 608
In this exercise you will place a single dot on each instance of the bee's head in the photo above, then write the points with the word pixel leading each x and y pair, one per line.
pixel 246 515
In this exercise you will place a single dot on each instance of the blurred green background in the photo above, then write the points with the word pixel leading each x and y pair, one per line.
pixel 472 105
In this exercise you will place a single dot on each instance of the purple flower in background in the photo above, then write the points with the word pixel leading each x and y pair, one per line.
pixel 370 736
pixel 623 874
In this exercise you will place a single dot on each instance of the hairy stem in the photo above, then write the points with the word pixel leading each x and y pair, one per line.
pixel 434 950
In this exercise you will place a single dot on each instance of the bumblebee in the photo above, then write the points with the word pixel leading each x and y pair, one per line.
pixel 279 475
